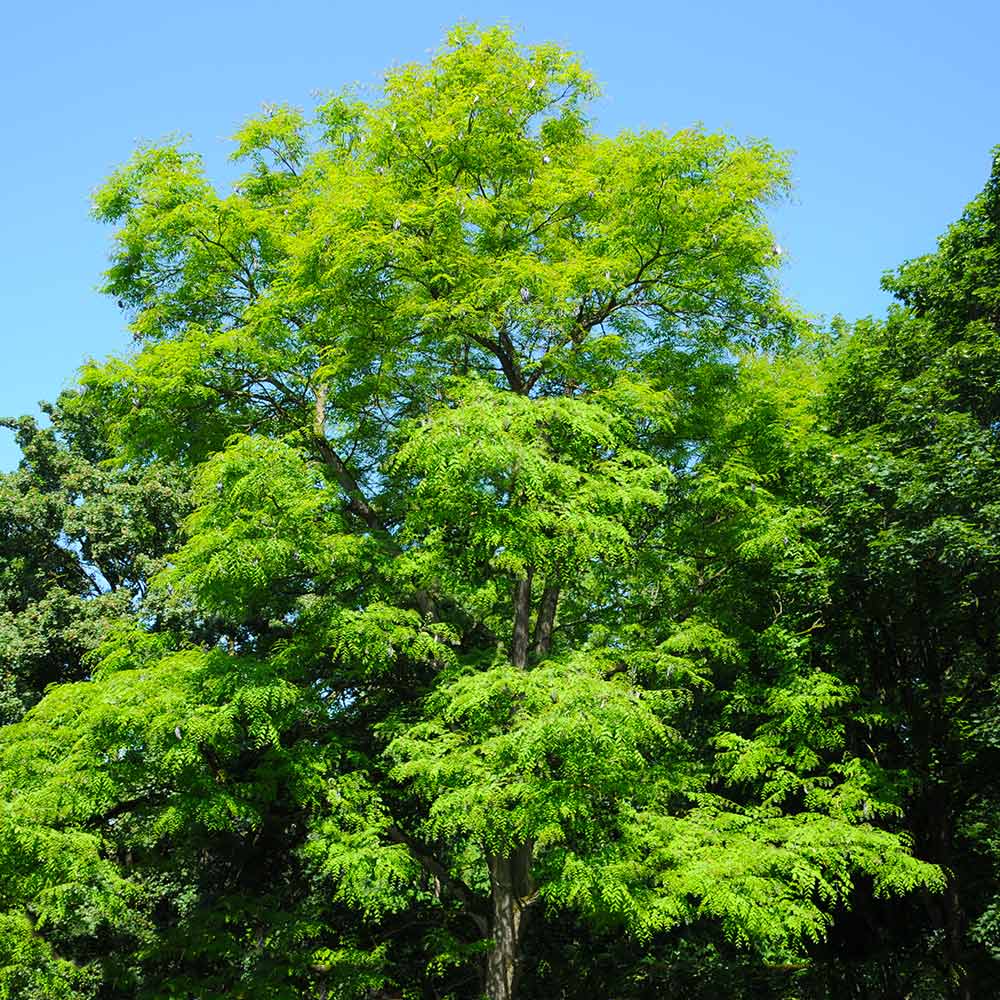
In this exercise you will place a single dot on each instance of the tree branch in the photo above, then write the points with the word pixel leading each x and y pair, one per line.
pixel 422 855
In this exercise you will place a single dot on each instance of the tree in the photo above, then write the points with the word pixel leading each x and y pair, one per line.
pixel 495 637
pixel 911 483
pixel 78 545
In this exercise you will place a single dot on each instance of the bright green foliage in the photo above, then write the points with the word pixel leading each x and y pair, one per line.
pixel 498 594
pixel 28 970
pixel 469 222
pixel 506 485
pixel 267 526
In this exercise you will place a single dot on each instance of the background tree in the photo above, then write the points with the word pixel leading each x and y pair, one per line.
pixel 78 545
pixel 79 542
pixel 910 484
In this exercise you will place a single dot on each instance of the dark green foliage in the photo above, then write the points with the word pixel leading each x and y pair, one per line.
pixel 911 483
pixel 79 542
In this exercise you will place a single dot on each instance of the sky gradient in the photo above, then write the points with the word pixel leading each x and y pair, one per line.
pixel 889 108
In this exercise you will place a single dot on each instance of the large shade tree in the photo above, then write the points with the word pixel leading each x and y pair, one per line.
pixel 497 623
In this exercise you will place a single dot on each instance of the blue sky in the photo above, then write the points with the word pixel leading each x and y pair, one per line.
pixel 890 109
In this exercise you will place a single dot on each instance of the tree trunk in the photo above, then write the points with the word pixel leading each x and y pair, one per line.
pixel 511 887
pixel 522 620
pixel 546 620
pixel 513 892
pixel 952 915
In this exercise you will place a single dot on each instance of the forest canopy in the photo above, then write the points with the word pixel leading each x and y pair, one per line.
pixel 480 581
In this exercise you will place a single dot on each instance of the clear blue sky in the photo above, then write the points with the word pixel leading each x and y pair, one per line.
pixel 890 108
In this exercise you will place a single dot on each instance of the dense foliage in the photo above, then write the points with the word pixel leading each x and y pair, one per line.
pixel 478 581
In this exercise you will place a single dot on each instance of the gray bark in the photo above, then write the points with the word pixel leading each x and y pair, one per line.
pixel 545 622
pixel 513 892
pixel 522 621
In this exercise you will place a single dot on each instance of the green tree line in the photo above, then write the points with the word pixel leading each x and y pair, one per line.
pixel 479 581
